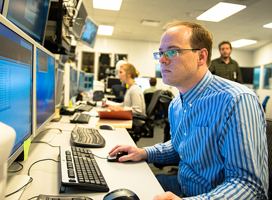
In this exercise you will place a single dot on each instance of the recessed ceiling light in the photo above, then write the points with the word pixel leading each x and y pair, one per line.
pixel 107 4
pixel 268 25
pixel 242 42
pixel 150 23
pixel 220 11
pixel 105 30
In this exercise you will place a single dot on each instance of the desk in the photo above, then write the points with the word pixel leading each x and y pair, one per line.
pixel 135 176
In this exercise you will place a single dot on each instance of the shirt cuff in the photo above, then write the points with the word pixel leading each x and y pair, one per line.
pixel 151 154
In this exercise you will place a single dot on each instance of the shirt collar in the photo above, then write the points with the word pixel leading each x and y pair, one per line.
pixel 193 94
pixel 221 61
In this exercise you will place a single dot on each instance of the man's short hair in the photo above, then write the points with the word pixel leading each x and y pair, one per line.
pixel 224 42
pixel 201 37
pixel 153 81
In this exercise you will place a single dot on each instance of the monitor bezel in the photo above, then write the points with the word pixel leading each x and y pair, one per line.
pixel 41 42
pixel 18 31
pixel 41 127
pixel 96 24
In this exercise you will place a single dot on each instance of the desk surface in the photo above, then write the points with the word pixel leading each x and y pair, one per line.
pixel 135 176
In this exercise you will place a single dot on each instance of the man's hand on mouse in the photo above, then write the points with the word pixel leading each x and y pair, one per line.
pixel 167 196
pixel 134 153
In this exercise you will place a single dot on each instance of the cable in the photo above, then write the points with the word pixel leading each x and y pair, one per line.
pixel 40 161
pixel 99 156
pixel 33 197
pixel 42 142
pixel 30 181
pixel 18 169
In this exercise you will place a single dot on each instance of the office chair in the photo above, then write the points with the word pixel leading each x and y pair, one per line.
pixel 269 144
pixel 148 97
pixel 119 92
pixel 143 126
pixel 265 102
pixel 165 101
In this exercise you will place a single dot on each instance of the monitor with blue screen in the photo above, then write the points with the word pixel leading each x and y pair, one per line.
pixel 81 80
pixel 45 87
pixel 142 82
pixel 89 33
pixel 59 86
pixel 16 63
pixel 88 84
pixel 30 16
pixel 73 82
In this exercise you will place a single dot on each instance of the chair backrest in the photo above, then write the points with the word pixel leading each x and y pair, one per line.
pixel 165 101
pixel 148 97
pixel 153 103
pixel 269 144
pixel 119 90
pixel 265 102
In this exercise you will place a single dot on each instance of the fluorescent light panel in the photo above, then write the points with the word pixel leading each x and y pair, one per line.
pixel 220 11
pixel 268 25
pixel 105 30
pixel 107 4
pixel 242 42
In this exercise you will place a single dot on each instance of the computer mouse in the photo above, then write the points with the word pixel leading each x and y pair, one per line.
pixel 107 127
pixel 121 194
pixel 117 156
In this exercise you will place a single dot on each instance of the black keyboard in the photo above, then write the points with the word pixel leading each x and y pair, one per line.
pixel 80 170
pixel 80 118
pixel 87 137
pixel 61 197
pixel 83 107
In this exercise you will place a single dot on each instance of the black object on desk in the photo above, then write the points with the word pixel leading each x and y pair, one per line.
pixel 121 194
pixel 79 169
pixel 59 197
pixel 87 137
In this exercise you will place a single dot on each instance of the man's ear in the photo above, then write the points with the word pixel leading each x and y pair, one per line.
pixel 202 55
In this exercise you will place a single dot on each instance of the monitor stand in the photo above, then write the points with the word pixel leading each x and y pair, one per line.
pixel 14 183
pixel 57 116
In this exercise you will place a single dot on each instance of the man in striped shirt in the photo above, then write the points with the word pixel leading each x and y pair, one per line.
pixel 218 127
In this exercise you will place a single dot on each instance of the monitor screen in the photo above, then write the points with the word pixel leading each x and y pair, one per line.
pixel 16 62
pixel 112 81
pixel 143 83
pixel 79 21
pixel 73 82
pixel 45 87
pixel 59 86
pixel 247 74
pixel 30 16
pixel 88 84
pixel 63 59
pixel 81 81
pixel 89 33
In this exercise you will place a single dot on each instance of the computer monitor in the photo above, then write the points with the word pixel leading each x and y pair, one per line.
pixel 30 16
pixel 142 82
pixel 1 6
pixel 81 80
pixel 16 88
pixel 73 82
pixel 63 59
pixel 112 81
pixel 88 84
pixel 45 87
pixel 59 87
pixel 89 33
pixel 79 20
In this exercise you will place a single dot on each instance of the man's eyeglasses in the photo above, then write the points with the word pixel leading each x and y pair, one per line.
pixel 170 54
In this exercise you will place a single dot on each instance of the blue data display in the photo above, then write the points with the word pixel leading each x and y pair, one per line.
pixel 16 84
pixel 45 86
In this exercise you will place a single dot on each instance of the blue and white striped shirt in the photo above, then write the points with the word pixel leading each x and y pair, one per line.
pixel 218 136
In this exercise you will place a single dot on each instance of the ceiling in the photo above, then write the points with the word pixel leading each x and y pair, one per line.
pixel 246 24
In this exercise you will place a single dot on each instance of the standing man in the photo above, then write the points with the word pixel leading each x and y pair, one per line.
pixel 224 66
pixel 218 127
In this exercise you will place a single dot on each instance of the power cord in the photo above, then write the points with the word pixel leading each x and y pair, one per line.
pixel 18 169
pixel 30 181
pixel 40 161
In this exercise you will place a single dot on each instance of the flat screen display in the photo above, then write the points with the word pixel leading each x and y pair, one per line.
pixel 1 6
pixel 88 84
pixel 45 86
pixel 112 81
pixel 143 83
pixel 81 81
pixel 80 19
pixel 16 57
pixel 59 86
pixel 89 33
pixel 30 16
pixel 73 82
